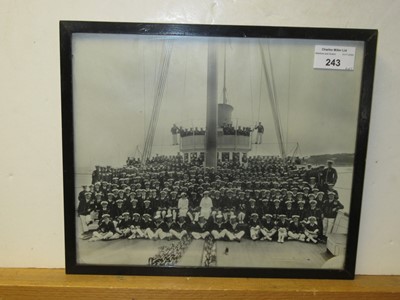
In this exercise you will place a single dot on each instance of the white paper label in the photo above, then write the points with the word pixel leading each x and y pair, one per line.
pixel 334 57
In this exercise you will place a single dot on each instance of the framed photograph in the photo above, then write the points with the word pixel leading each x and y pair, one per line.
pixel 208 150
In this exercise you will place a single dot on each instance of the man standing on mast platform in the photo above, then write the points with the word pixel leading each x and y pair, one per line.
pixel 260 132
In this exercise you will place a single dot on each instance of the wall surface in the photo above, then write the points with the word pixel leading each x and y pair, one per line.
pixel 31 194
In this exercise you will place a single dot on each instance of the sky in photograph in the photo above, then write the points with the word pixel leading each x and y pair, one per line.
pixel 115 79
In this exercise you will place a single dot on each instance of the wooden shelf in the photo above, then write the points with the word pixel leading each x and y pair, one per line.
pixel 54 284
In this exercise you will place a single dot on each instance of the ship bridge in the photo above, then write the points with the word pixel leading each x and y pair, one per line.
pixel 229 146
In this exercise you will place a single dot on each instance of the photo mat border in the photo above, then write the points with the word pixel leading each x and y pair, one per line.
pixel 68 28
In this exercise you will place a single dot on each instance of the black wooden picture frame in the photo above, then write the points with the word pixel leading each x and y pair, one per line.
pixel 72 119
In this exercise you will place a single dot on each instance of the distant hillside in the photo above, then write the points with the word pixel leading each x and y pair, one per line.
pixel 340 159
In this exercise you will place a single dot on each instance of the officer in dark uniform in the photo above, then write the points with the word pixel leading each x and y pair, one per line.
pixel 251 208
pixel 289 209
pixel 96 175
pixel 228 203
pixel 84 212
pixel 329 175
pixel 330 210
pixel 134 206
pixel 81 195
pixel 147 208
pixel 260 132
pixel 276 210
pixel 105 209
pixel 265 207
pixel 301 211
pixel 116 212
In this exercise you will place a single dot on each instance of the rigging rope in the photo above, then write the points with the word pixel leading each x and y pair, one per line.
pixel 289 97
pixel 274 104
pixel 162 78
pixel 144 92
pixel 259 96
pixel 251 89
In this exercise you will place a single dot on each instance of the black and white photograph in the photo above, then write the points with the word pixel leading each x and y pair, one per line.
pixel 213 151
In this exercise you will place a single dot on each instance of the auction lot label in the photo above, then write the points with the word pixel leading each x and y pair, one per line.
pixel 334 57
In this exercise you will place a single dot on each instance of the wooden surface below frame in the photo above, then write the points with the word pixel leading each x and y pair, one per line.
pixel 55 284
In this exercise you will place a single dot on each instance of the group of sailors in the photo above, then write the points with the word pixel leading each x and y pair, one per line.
pixel 167 198
pixel 227 129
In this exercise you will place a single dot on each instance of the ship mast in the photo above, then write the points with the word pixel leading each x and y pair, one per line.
pixel 212 100
pixel 225 98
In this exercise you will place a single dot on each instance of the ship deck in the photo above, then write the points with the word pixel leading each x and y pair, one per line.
pixel 247 253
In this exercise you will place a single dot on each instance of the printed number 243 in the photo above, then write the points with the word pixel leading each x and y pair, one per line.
pixel 332 62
